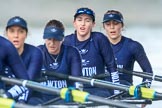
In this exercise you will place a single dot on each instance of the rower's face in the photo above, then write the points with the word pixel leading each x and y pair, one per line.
pixel 83 24
pixel 53 45
pixel 113 29
pixel 16 35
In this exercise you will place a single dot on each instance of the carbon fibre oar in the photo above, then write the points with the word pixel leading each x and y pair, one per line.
pixel 142 74
pixel 66 93
pixel 9 103
pixel 86 80
pixel 137 101
pixel 136 91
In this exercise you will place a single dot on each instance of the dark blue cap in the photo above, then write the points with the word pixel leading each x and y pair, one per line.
pixel 53 32
pixel 112 16
pixel 18 21
pixel 85 11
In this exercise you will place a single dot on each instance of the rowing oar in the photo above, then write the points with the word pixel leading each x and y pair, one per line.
pixel 9 103
pixel 67 93
pixel 142 74
pixel 136 91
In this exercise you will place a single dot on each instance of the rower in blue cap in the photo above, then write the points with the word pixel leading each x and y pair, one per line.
pixel 126 50
pixel 95 50
pixel 58 58
pixel 16 32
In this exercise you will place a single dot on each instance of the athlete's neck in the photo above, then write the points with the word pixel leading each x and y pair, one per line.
pixel 20 50
pixel 115 41
pixel 83 37
pixel 55 53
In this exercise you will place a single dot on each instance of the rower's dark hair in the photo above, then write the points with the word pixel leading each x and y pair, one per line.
pixel 55 23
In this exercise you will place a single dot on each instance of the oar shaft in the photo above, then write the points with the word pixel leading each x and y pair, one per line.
pixel 142 74
pixel 78 96
pixel 158 95
pixel 38 87
pixel 146 92
pixel 158 78
pixel 11 81
pixel 92 82
pixel 134 101
pixel 17 105
pixel 100 83
pixel 110 85
pixel 31 84
pixel 139 74
pixel 110 102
